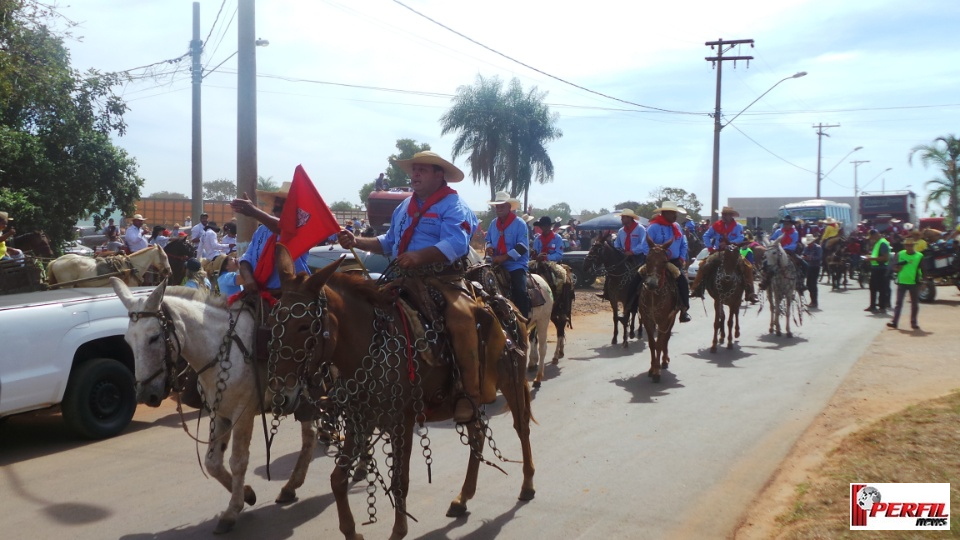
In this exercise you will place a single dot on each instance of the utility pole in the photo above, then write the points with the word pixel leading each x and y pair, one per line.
pixel 856 192
pixel 718 61
pixel 246 114
pixel 820 134
pixel 196 177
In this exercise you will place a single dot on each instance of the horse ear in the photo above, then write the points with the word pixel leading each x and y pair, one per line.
pixel 650 241
pixel 284 264
pixel 319 279
pixel 123 292
pixel 156 297
pixel 666 245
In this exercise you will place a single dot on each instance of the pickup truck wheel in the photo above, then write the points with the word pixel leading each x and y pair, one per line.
pixel 100 398
pixel 927 292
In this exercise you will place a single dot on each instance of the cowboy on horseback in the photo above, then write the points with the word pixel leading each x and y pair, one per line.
pixel 507 246
pixel 725 232
pixel 429 238
pixel 630 238
pixel 663 228
pixel 789 239
pixel 548 246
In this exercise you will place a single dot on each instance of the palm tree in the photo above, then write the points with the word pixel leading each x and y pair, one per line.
pixel 943 153
pixel 533 127
pixel 267 184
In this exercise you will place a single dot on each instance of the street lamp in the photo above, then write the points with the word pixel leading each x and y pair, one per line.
pixel 820 178
pixel 715 196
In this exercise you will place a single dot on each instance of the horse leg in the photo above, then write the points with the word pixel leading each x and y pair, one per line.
pixel 402 447
pixel 517 395
pixel 533 349
pixel 308 441
pixel 561 340
pixel 340 482
pixel 663 340
pixel 241 429
pixel 734 312
pixel 717 324
pixel 458 506
pixel 654 372
pixel 616 321
pixel 788 313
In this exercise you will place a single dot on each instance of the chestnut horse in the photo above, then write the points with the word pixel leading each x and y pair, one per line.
pixel 617 287
pixel 178 321
pixel 659 305
pixel 339 338
pixel 35 242
pixel 726 287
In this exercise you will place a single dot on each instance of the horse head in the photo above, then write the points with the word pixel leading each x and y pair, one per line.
pixel 656 264
pixel 35 242
pixel 730 258
pixel 149 336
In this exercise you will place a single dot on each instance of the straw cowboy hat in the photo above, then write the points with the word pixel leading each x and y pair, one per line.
pixel 809 239
pixel 629 213
pixel 271 196
pixel 213 265
pixel 504 197
pixel 5 217
pixel 137 217
pixel 830 221
pixel 450 171
pixel 544 223
pixel 729 210
pixel 670 206
pixel 528 218
pixel 908 226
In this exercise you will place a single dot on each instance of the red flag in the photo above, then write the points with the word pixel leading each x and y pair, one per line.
pixel 305 221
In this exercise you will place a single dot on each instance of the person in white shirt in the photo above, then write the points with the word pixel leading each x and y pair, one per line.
pixel 197 230
pixel 157 237
pixel 209 246
pixel 134 234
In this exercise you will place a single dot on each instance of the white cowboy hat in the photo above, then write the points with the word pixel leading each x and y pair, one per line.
pixel 138 217
pixel 5 216
pixel 450 171
pixel 629 213
pixel 271 196
pixel 504 197
pixel 809 239
pixel 830 221
pixel 528 218
pixel 670 206
pixel 908 226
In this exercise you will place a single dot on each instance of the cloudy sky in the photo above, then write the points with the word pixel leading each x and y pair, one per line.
pixel 342 80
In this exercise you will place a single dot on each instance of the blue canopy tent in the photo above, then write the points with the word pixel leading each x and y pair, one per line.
pixel 609 222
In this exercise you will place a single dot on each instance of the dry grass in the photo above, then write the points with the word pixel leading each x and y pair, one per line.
pixel 920 444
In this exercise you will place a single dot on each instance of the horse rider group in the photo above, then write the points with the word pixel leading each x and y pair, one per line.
pixel 723 234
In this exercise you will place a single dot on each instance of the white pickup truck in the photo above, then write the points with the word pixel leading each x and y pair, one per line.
pixel 65 347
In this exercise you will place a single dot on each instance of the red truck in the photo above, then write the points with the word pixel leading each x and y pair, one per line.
pixel 381 204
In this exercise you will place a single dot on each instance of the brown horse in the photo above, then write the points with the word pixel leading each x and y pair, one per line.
pixel 726 287
pixel 617 287
pixel 35 242
pixel 658 305
pixel 178 250
pixel 340 339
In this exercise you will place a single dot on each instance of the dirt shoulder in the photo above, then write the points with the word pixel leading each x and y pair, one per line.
pixel 900 368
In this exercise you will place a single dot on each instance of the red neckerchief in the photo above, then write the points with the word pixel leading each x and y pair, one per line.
pixel 719 227
pixel 545 238
pixel 660 221
pixel 787 232
pixel 628 229
pixel 265 263
pixel 502 225
pixel 415 212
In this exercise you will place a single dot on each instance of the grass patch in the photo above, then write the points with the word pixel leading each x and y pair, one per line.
pixel 919 444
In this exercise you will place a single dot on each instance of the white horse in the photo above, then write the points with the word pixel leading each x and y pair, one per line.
pixel 782 290
pixel 537 327
pixel 186 322
pixel 72 267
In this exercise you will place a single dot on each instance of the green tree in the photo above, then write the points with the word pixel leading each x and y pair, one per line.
pixel 503 133
pixel 942 153
pixel 688 201
pixel 267 184
pixel 633 205
pixel 167 195
pixel 57 160
pixel 220 189
pixel 342 206
pixel 395 176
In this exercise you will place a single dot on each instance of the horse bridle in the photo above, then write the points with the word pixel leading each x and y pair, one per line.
pixel 169 336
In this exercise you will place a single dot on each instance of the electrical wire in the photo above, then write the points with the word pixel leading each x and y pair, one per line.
pixel 214 25
pixel 770 151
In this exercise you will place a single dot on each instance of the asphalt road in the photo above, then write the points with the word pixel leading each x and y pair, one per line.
pixel 617 456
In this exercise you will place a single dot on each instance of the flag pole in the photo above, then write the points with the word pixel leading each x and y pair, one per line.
pixel 357 258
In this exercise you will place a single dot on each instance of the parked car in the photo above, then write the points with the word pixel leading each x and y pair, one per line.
pixel 694 266
pixel 76 247
pixel 582 276
pixel 321 256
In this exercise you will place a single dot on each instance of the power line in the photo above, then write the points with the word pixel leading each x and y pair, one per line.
pixel 214 25
pixel 768 150
pixel 528 66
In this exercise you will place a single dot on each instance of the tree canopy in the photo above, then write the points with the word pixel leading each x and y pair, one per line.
pixel 267 184
pixel 220 189
pixel 942 153
pixel 167 195
pixel 57 162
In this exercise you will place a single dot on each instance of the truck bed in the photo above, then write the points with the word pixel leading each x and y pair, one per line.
pixel 58 296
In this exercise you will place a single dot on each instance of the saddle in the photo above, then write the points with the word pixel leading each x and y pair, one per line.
pixel 537 298
pixel 114 264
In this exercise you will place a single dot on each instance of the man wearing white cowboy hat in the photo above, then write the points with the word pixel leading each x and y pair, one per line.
pixel 789 239
pixel 631 237
pixel 726 231
pixel 134 234
pixel 430 234
pixel 508 246
pixel 812 254
pixel 661 229
pixel 269 225
pixel 548 246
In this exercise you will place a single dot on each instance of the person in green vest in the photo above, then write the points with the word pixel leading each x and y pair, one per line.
pixel 908 279
pixel 879 281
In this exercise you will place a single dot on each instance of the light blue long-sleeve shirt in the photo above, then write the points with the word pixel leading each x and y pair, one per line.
pixel 447 225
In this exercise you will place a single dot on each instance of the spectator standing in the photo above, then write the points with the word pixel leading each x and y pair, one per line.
pixel 879 281
pixel 197 230
pixel 134 234
pixel 908 278
pixel 5 234
pixel 812 254
pixel 187 224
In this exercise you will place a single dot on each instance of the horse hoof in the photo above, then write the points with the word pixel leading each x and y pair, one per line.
pixel 249 496
pixel 536 384
pixel 789 334
pixel 730 346
pixel 656 378
pixel 555 362
pixel 225 525
pixel 779 334
pixel 527 494
pixel 286 496
pixel 456 510
pixel 713 349
pixel 531 369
